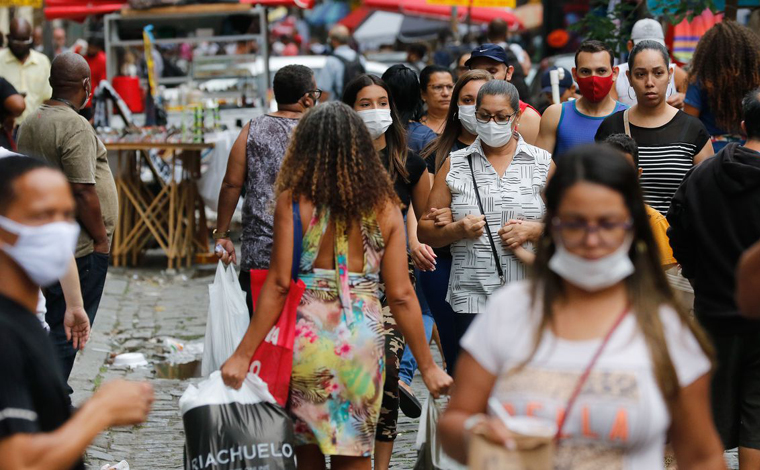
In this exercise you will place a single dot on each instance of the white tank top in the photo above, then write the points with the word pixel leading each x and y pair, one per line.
pixel 625 91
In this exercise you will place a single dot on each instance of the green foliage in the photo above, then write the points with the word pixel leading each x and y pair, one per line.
pixel 603 25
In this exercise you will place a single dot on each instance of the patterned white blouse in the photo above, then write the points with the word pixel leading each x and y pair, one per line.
pixel 515 195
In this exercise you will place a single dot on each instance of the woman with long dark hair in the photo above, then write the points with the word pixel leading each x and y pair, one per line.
pixel 670 141
pixel 372 99
pixel 405 89
pixel 595 342
pixel 353 234
pixel 725 67
pixel 436 85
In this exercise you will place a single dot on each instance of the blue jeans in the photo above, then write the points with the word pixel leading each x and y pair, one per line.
pixel 435 285
pixel 408 363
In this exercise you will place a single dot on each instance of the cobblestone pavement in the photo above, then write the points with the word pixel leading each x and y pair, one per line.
pixel 140 308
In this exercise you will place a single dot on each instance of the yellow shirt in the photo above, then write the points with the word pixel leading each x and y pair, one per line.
pixel 660 225
pixel 31 77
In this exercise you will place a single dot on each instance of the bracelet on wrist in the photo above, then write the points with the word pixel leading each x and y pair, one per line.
pixel 217 234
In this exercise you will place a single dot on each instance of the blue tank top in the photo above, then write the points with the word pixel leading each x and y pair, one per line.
pixel 575 128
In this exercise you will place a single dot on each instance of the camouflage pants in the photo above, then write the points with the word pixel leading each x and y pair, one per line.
pixel 394 350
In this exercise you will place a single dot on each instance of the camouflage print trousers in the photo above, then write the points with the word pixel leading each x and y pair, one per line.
pixel 394 350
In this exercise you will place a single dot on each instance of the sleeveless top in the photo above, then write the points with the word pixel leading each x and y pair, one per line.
pixel 576 128
pixel 514 195
pixel 268 139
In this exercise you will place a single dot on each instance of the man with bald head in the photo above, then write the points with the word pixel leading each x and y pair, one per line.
pixel 55 131
pixel 342 66
pixel 24 68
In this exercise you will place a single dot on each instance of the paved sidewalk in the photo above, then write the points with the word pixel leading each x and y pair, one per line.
pixel 140 308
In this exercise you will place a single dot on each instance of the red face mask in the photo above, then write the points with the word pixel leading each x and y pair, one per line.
pixel 595 88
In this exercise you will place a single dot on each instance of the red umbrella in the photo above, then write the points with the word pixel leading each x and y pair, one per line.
pixel 421 7
pixel 355 18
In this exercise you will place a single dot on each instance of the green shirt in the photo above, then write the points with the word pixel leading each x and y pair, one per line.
pixel 65 139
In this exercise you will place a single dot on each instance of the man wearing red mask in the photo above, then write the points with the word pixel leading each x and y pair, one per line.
pixel 565 125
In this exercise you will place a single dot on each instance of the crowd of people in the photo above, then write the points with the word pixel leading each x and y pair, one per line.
pixel 537 250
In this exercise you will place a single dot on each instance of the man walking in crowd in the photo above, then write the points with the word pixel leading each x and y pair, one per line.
pixel 714 218
pixel 59 134
pixel 12 105
pixel 26 69
pixel 37 235
pixel 565 125
pixel 493 59
pixel 497 33
pixel 255 160
pixel 342 66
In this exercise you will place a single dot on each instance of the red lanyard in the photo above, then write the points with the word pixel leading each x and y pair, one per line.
pixel 583 378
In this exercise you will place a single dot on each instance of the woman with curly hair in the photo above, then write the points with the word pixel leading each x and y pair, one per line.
pixel 725 67
pixel 354 232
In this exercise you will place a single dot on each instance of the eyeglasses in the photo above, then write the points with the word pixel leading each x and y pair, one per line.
pixel 439 88
pixel 315 94
pixel 574 234
pixel 500 119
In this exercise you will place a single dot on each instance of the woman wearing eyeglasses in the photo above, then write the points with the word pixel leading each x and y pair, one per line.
pixel 436 85
pixel 596 342
pixel 498 179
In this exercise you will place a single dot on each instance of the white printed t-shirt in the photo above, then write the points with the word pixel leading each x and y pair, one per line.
pixel 620 418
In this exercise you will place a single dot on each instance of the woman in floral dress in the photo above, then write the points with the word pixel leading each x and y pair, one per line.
pixel 354 232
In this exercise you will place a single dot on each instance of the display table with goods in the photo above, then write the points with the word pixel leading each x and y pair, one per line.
pixel 164 182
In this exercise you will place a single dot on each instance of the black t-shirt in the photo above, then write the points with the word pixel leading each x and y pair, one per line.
pixel 32 389
pixel 666 153
pixel 430 161
pixel 415 166
pixel 6 90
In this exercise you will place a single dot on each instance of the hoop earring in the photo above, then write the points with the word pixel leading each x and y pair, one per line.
pixel 629 93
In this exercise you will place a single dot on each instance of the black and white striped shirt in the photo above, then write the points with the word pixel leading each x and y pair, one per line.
pixel 666 153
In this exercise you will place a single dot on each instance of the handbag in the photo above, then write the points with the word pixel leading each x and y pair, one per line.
pixel 273 359
pixel 430 454
pixel 499 268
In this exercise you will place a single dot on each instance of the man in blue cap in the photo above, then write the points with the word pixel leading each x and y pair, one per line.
pixel 566 88
pixel 493 59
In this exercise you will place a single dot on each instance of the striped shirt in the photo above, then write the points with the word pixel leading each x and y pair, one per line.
pixel 514 195
pixel 666 153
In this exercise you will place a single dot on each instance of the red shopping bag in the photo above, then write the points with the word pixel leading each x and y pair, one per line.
pixel 273 359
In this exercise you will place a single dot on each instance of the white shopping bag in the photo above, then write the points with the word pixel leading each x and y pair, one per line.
pixel 227 319
pixel 430 455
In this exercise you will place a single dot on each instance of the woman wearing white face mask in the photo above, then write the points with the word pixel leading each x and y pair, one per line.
pixel 596 343
pixel 371 98
pixel 499 178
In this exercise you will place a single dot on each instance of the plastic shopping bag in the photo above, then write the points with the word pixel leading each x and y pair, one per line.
pixel 227 319
pixel 227 429
pixel 430 455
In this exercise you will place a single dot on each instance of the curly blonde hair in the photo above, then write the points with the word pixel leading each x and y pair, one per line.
pixel 332 162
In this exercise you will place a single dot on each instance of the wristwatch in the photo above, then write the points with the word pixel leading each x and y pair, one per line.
pixel 217 235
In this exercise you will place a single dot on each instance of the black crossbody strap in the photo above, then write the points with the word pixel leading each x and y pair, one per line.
pixel 488 229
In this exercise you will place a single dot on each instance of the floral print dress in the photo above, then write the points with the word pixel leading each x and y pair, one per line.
pixel 338 356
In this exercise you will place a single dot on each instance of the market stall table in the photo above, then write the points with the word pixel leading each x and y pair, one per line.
pixel 166 215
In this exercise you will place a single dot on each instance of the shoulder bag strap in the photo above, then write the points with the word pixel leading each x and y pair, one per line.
pixel 587 372
pixel 626 123
pixel 297 240
pixel 502 279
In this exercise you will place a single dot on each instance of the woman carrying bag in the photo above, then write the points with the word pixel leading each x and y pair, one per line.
pixel 353 232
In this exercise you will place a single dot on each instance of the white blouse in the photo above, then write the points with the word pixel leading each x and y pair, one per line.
pixel 515 195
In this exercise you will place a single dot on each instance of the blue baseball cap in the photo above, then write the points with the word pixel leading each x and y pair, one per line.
pixel 489 51
pixel 564 84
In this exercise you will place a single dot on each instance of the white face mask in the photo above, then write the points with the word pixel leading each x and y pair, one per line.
pixel 43 252
pixel 467 118
pixel 593 275
pixel 494 135
pixel 377 121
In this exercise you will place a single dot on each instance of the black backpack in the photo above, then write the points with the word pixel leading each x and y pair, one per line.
pixel 351 69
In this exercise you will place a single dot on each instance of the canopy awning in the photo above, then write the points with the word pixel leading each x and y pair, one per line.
pixel 73 9
pixel 356 17
pixel 443 12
